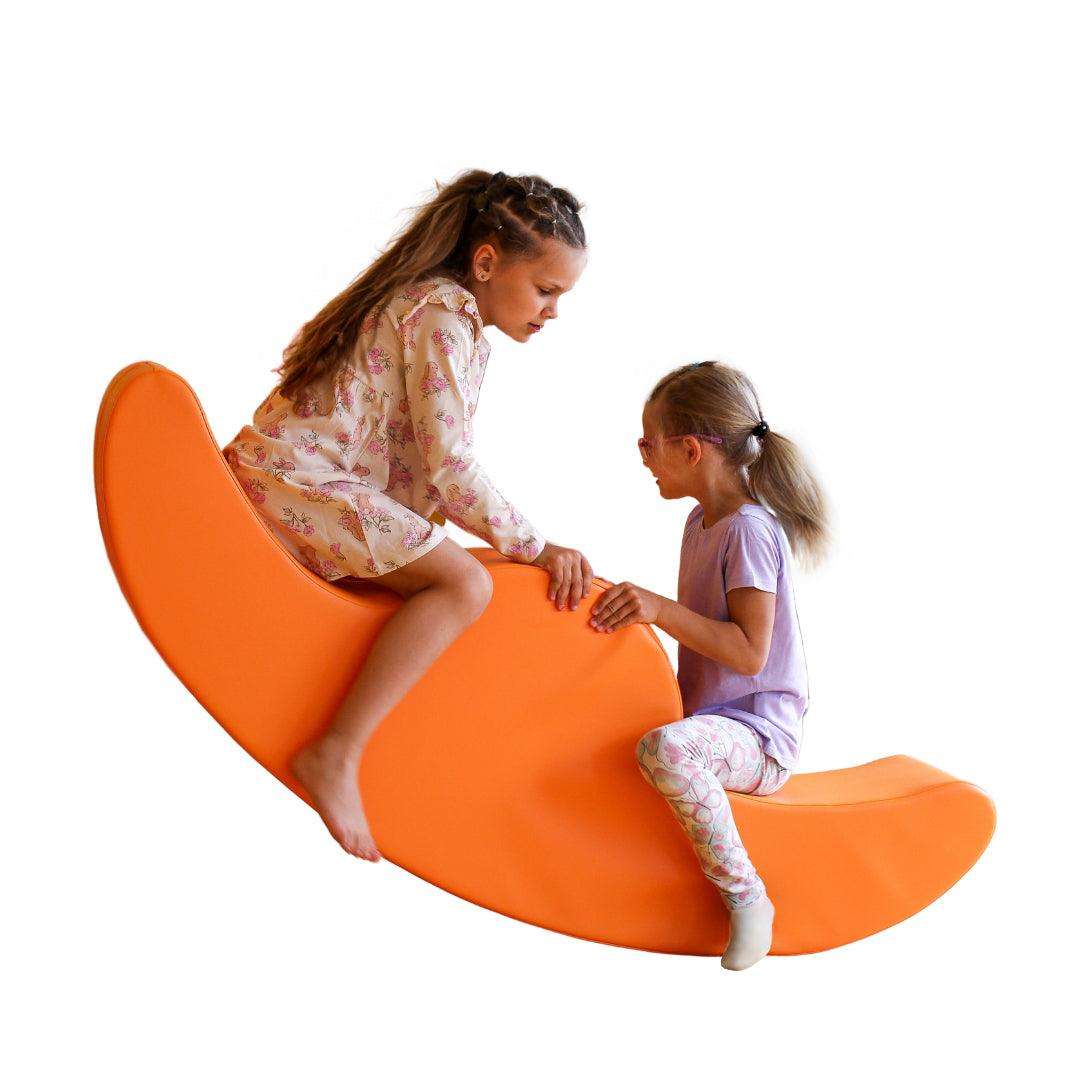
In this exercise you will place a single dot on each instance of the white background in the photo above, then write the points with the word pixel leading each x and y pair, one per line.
pixel 870 207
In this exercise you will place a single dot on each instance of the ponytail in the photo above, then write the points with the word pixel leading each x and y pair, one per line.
pixel 779 478
pixel 716 400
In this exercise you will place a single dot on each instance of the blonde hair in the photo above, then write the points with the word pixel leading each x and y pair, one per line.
pixel 513 213
pixel 713 399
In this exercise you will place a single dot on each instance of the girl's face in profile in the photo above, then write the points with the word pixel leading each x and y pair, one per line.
pixel 659 454
pixel 520 296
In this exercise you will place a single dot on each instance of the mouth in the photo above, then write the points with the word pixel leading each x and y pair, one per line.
pixel 535 328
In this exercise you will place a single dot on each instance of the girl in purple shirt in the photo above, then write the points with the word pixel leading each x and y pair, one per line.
pixel 741 668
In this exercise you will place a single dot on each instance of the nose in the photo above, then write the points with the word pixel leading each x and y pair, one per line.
pixel 551 310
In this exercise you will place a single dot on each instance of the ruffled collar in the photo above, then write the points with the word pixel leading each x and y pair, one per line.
pixel 446 291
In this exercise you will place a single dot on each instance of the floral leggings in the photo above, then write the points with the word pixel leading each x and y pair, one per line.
pixel 690 763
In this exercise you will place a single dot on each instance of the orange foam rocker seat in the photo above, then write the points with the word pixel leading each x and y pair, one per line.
pixel 507 775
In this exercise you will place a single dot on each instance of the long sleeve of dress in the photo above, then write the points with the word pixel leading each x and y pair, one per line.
pixel 443 372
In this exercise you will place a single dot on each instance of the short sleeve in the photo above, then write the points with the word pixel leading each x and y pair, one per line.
pixel 751 557
pixel 438 378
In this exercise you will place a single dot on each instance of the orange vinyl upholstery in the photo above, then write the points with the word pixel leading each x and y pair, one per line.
pixel 507 775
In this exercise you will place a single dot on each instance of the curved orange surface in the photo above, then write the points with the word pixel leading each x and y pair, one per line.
pixel 507 776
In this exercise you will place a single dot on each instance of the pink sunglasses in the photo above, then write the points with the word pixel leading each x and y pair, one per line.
pixel 644 445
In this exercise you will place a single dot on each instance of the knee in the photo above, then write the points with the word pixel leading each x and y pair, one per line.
pixel 662 759
pixel 475 589
pixel 667 745
pixel 663 745
pixel 649 745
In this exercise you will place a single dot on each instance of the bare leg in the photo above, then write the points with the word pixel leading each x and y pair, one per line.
pixel 445 591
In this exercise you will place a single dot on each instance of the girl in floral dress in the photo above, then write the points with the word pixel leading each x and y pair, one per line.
pixel 365 447
pixel 741 667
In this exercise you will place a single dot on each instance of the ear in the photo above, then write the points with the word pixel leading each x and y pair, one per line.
pixel 484 259
pixel 692 449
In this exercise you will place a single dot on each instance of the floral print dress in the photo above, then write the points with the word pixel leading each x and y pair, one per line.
pixel 350 474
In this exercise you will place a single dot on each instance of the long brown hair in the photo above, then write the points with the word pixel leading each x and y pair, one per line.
pixel 513 213
pixel 713 399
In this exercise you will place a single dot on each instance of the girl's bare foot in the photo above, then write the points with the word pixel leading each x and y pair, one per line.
pixel 324 770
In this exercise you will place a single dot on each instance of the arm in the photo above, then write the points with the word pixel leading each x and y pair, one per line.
pixel 741 644
pixel 440 404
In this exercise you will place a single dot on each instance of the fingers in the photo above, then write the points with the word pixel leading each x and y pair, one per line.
pixel 605 600
pixel 570 576
pixel 576 585
pixel 587 576
pixel 617 607
pixel 627 611
pixel 565 581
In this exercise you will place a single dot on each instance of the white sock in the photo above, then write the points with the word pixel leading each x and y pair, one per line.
pixel 751 934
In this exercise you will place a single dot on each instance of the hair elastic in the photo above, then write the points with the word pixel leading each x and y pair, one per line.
pixel 760 430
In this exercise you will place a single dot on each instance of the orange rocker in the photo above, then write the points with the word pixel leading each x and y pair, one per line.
pixel 580 844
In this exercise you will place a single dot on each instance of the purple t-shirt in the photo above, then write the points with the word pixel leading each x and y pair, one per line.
pixel 746 548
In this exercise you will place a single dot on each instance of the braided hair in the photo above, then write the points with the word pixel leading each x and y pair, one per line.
pixel 516 214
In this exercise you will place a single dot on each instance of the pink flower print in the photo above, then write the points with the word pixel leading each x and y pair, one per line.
pixel 361 471
pixel 308 443
pixel 275 430
pixel 407 330
pixel 320 494
pixel 444 342
pixel 370 394
pixel 431 493
pixel 345 400
pixel 461 502
pixel 378 360
pixel 260 454
pixel 377 445
pixel 452 461
pixel 370 566
pixel 416 537
pixel 305 405
pixel 298 523
pixel 371 320
pixel 400 476
pixel 279 467
pixel 323 567
pixel 400 432
pixel 433 382
pixel 232 457
pixel 425 437
pixel 445 417
pixel 335 547
pixel 494 521
pixel 344 441
pixel 349 520
pixel 527 547
pixel 256 490
pixel 403 405
pixel 372 517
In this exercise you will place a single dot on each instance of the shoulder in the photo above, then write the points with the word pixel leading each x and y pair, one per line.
pixel 754 526
pixel 435 296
